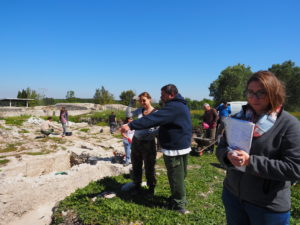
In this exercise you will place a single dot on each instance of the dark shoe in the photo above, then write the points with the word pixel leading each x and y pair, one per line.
pixel 150 191
pixel 136 190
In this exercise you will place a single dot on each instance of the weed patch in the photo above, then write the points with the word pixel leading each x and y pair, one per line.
pixel 117 135
pixel 58 140
pixel 38 153
pixel 16 120
pixel 101 124
pixel 3 162
pixel 24 131
pixel 84 130
pixel 9 148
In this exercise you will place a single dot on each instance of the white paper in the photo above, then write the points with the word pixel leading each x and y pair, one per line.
pixel 239 134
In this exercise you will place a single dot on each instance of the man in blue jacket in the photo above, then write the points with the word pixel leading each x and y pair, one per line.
pixel 224 111
pixel 175 134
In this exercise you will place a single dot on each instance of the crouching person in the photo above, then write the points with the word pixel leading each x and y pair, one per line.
pixel 48 127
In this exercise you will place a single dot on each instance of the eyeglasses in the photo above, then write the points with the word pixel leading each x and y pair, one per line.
pixel 258 94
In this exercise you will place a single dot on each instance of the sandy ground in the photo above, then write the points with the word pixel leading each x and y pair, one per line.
pixel 30 185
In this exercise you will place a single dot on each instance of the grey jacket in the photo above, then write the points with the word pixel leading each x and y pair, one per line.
pixel 145 134
pixel 274 164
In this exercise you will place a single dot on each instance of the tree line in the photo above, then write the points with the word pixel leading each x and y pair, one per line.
pixel 229 86
pixel 231 83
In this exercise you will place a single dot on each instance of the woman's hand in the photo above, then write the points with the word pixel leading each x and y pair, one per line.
pixel 238 158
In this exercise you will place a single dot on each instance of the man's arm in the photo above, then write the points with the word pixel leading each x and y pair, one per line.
pixel 160 117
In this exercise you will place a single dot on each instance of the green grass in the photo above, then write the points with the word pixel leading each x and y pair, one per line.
pixel 296 114
pixel 9 148
pixel 117 135
pixel 196 117
pixel 23 131
pixel 101 124
pixel 58 140
pixel 84 130
pixel 3 162
pixel 16 120
pixel 38 153
pixel 204 184
pixel 204 187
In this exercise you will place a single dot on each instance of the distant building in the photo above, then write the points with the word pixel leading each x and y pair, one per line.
pixel 13 101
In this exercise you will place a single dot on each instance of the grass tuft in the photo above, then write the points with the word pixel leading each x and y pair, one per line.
pixel 84 130
pixel 9 148
pixel 16 120
pixel 3 162
pixel 24 131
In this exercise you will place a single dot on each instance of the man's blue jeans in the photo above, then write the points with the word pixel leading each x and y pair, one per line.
pixel 242 213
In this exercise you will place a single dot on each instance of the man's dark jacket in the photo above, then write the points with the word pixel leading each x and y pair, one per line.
pixel 175 131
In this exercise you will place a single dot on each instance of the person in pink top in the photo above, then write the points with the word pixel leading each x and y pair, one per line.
pixel 63 117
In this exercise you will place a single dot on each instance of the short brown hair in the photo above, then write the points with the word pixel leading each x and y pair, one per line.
pixel 145 94
pixel 274 87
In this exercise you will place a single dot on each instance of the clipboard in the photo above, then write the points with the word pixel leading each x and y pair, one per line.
pixel 239 135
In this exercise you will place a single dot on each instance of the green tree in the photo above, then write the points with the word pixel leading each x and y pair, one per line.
pixel 31 94
pixel 102 96
pixel 198 105
pixel 22 94
pixel 230 84
pixel 70 94
pixel 289 74
pixel 48 101
pixel 126 96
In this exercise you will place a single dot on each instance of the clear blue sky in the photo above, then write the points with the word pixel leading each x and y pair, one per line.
pixel 53 46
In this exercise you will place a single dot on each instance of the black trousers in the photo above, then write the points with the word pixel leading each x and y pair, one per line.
pixel 143 152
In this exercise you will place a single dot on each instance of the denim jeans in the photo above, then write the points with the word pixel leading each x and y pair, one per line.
pixel 127 147
pixel 64 126
pixel 242 213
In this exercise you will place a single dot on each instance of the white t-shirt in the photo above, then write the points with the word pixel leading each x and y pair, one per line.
pixel 129 134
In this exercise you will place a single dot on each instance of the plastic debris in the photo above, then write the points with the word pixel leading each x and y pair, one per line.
pixel 61 173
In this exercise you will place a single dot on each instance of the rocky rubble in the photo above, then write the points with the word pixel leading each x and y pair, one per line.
pixel 40 171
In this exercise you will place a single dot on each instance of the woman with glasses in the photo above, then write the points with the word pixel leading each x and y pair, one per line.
pixel 261 194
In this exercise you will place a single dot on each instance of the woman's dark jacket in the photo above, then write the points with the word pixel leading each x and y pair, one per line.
pixel 274 164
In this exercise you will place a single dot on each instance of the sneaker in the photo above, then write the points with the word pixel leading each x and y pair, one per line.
pixel 182 211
